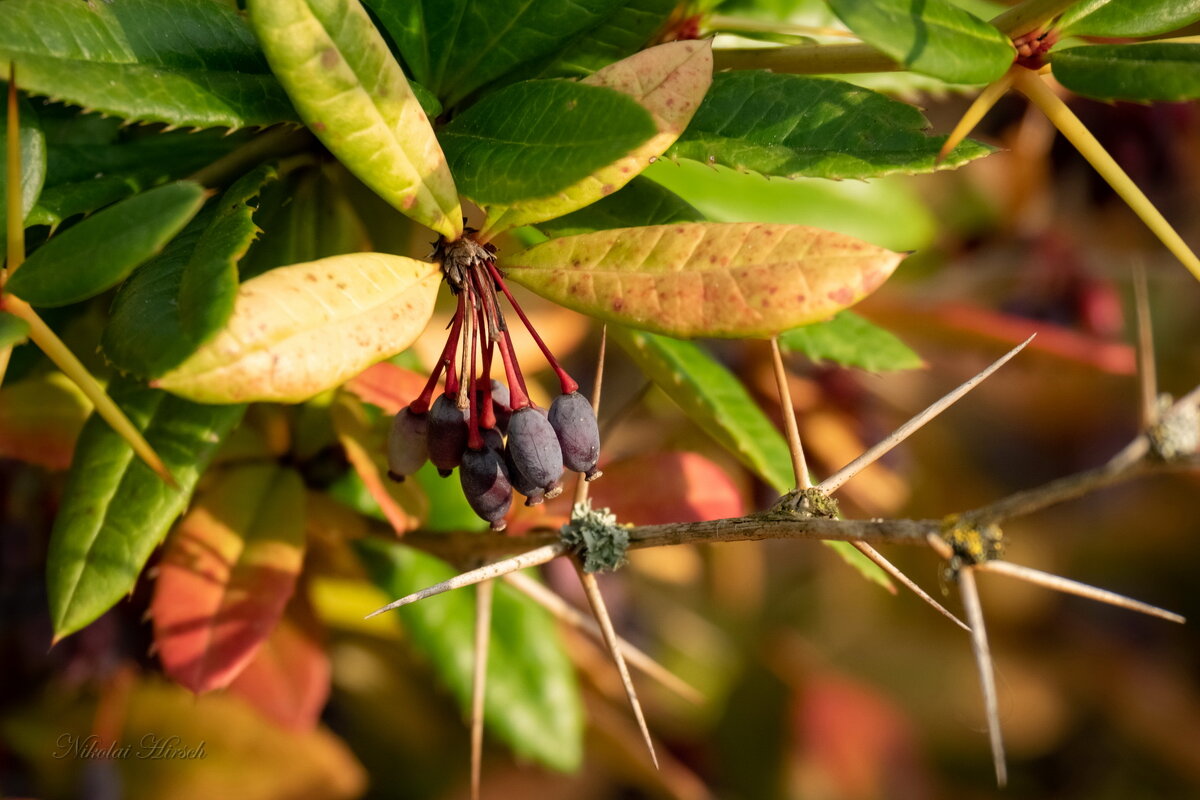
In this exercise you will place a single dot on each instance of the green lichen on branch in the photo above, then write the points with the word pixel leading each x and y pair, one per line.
pixel 972 544
pixel 811 502
pixel 595 537
pixel 1177 433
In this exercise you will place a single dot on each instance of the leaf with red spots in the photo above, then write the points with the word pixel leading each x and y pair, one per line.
pixel 669 81
pixel 387 386
pixel 727 280
pixel 227 574
pixel 288 680
pixel 299 330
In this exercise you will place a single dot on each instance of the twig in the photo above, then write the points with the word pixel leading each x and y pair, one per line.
pixel 596 600
pixel 483 627
pixel 987 674
pixel 835 481
pixel 1076 588
pixel 569 615
pixel 799 467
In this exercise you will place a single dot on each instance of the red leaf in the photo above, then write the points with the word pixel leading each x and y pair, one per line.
pixel 288 680
pixel 387 386
pixel 227 574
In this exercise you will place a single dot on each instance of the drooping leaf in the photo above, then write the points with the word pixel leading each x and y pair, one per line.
pixel 456 46
pixel 402 505
pixel 386 386
pixel 705 279
pixel 533 702
pixel 227 573
pixel 115 510
pixel 102 250
pixel 33 163
pixel 851 341
pixel 934 37
pixel 353 95
pixel 305 217
pixel 793 125
pixel 40 419
pixel 13 330
pixel 288 680
pixel 886 211
pixel 640 202
pixel 185 62
pixel 622 33
pixel 715 399
pixel 533 139
pixel 209 283
pixel 1144 73
pixel 669 81
pixel 1128 18
pixel 299 330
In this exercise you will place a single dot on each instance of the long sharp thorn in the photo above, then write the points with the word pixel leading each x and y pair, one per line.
pixel 483 627
pixel 1069 125
pixel 799 467
pixel 976 112
pixel 581 485
pixel 894 571
pixel 14 224
pixel 987 674
pixel 488 571
pixel 835 481
pixel 569 615
pixel 1069 586
pixel 1147 379
pixel 592 589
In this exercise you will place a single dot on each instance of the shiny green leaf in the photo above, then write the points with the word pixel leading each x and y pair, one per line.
pixel 715 399
pixel 532 700
pixel 533 139
pixel 185 62
pixel 102 250
pixel 115 510
pixel 1144 73
pixel 1124 18
pixel 934 37
pixel 640 202
pixel 33 164
pixel 353 95
pixel 793 125
pixel 851 341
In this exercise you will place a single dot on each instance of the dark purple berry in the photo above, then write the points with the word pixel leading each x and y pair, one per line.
pixel 533 450
pixel 485 483
pixel 407 447
pixel 447 434
pixel 572 418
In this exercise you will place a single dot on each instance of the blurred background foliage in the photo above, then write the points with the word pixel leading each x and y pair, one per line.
pixel 817 684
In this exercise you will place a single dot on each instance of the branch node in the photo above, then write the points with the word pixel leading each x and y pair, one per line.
pixel 971 543
pixel 812 502
pixel 595 537
pixel 1176 435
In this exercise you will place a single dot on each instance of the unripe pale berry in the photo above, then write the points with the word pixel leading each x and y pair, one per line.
pixel 574 422
pixel 407 447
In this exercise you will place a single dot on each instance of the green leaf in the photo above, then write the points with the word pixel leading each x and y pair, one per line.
pixel 353 95
pixel 669 81
pixel 640 202
pixel 13 330
pixel 793 125
pixel 532 700
pixel 1144 73
pixel 884 211
pixel 209 282
pixel 705 278
pixel 102 250
pixel 851 341
pixel 341 315
pixel 1127 18
pixel 33 164
pixel 716 401
pixel 934 37
pixel 456 46
pixel 185 62
pixel 532 139
pixel 59 203
pixel 115 510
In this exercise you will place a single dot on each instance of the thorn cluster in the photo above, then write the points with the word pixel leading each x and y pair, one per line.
pixel 490 430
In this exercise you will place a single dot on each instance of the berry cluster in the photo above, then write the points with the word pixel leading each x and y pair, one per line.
pixel 492 432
